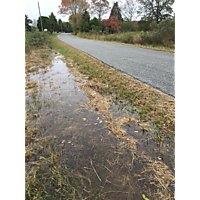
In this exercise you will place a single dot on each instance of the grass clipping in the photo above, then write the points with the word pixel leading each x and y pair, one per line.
pixel 102 104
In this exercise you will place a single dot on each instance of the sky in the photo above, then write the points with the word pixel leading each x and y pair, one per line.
pixel 48 6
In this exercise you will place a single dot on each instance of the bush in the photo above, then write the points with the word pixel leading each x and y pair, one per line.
pixel 75 33
pixel 163 33
pixel 127 27
pixel 127 38
pixel 137 38
pixel 166 28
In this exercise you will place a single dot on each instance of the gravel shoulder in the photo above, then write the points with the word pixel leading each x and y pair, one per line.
pixel 154 68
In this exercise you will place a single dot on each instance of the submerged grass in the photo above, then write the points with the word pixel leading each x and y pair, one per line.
pixel 47 175
pixel 149 103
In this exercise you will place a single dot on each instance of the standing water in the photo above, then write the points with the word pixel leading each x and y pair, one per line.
pixel 107 165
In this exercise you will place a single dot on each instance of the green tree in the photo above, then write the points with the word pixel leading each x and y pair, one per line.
pixel 45 23
pixel 60 25
pixel 27 22
pixel 116 12
pixel 84 24
pixel 67 27
pixel 53 22
pixel 96 24
pixel 155 10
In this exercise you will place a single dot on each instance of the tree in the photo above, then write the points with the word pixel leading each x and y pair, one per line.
pixel 27 22
pixel 155 10
pixel 84 24
pixel 128 9
pixel 67 28
pixel 100 7
pixel 53 21
pixel 116 12
pixel 74 8
pixel 112 24
pixel 45 23
pixel 74 20
pixel 59 25
pixel 96 24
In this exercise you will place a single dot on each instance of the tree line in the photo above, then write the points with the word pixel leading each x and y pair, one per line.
pixel 151 12
pixel 50 23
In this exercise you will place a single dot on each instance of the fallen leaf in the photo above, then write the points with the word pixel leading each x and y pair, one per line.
pixel 101 139
pixel 95 124
pixel 152 182
pixel 69 142
pixel 84 118
pixel 63 141
pixel 97 165
pixel 114 147
pixel 100 122
pixel 137 175
pixel 136 131
pixel 141 124
pixel 98 118
pixel 127 139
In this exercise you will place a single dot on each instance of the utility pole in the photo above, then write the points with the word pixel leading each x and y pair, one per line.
pixel 40 16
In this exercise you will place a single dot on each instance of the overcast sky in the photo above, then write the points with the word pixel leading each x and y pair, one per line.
pixel 48 6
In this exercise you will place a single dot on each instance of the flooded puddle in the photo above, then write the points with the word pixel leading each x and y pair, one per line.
pixel 104 163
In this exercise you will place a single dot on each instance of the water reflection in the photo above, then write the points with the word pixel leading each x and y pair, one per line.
pixel 94 154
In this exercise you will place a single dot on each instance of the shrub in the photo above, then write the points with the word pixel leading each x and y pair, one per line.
pixel 75 33
pixel 137 38
pixel 166 28
pixel 127 27
pixel 127 37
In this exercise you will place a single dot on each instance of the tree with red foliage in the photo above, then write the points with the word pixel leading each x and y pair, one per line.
pixel 112 24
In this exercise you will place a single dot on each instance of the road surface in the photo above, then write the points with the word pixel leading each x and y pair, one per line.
pixel 154 68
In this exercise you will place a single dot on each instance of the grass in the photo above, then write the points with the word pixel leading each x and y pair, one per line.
pixel 129 39
pixel 152 105
pixel 48 174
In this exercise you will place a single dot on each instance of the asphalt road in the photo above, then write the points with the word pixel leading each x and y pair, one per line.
pixel 154 68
